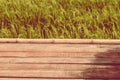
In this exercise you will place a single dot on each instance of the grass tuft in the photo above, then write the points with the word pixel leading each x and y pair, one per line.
pixel 98 19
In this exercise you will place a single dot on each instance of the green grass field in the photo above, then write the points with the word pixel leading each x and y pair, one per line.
pixel 98 19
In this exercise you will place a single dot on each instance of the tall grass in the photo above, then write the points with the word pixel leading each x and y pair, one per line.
pixel 60 19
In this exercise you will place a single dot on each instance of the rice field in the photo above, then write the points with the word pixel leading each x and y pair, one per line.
pixel 91 19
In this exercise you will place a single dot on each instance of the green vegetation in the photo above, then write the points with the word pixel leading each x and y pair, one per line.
pixel 60 19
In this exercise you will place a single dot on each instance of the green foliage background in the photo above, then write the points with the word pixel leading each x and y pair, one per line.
pixel 98 19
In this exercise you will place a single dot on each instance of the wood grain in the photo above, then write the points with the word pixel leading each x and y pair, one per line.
pixel 62 60
pixel 28 54
pixel 60 74
pixel 55 60
pixel 56 67
pixel 57 48
pixel 61 41
pixel 39 79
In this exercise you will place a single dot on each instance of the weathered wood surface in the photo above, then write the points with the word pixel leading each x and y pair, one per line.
pixel 75 61
pixel 61 60
pixel 43 79
pixel 62 41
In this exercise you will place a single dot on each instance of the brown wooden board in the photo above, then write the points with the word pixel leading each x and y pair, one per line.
pixel 57 67
pixel 109 74
pixel 28 54
pixel 61 41
pixel 25 61
pixel 62 60
pixel 57 47
pixel 45 79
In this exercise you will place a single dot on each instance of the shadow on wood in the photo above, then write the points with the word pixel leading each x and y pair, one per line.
pixel 110 70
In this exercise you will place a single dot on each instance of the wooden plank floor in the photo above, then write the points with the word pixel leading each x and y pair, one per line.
pixel 59 61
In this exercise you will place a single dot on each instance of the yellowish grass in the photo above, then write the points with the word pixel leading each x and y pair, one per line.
pixel 60 19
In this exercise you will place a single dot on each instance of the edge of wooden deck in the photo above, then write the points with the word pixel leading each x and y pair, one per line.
pixel 61 41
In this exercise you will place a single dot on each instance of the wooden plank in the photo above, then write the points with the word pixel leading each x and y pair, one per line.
pixel 62 60
pixel 86 41
pixel 48 79
pixel 5 40
pixel 111 74
pixel 106 41
pixel 57 48
pixel 61 41
pixel 52 54
pixel 55 41
pixel 109 54
pixel 55 67
pixel 42 79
